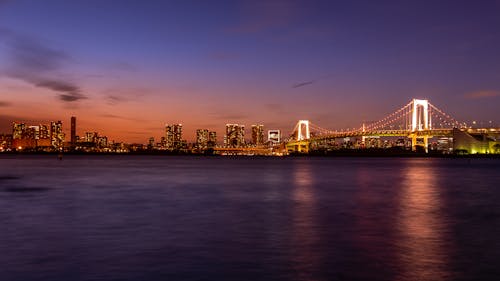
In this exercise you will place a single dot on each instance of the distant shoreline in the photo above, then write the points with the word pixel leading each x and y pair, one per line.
pixel 330 154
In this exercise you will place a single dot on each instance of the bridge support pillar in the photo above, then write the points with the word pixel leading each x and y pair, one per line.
pixel 415 142
pixel 301 147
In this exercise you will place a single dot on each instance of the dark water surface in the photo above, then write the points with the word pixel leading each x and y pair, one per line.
pixel 188 218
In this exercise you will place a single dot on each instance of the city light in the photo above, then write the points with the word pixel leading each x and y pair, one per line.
pixel 409 128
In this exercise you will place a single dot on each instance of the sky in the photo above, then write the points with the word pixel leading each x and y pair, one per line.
pixel 126 68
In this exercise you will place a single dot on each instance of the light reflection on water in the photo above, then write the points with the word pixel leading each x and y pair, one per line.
pixel 304 246
pixel 181 218
pixel 422 243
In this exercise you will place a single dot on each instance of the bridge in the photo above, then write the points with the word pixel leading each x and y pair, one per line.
pixel 419 120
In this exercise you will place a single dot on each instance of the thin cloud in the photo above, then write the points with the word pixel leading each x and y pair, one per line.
pixel 71 97
pixel 482 94
pixel 5 104
pixel 39 65
pixel 112 99
pixel 107 115
pixel 114 96
pixel 298 85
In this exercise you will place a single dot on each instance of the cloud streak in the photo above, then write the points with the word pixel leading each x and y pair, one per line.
pixel 5 104
pixel 39 65
pixel 113 116
pixel 298 85
pixel 482 94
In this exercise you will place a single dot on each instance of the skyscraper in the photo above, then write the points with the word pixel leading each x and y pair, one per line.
pixel 173 136
pixel 56 134
pixel 235 135
pixel 18 130
pixel 73 131
pixel 202 138
pixel 212 139
pixel 258 134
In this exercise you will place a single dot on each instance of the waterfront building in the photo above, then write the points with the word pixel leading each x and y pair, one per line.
pixel 173 136
pixel 212 139
pixel 274 136
pixel 18 130
pixel 73 131
pixel 32 132
pixel 29 137
pixel 44 132
pixel 5 142
pixel 151 143
pixel 91 137
pixel 102 141
pixel 56 134
pixel 235 135
pixel 202 137
pixel 258 134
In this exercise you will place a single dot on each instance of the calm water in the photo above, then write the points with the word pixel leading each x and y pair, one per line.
pixel 187 218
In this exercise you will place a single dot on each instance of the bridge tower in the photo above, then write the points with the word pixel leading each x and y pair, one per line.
pixel 303 132
pixel 420 121
pixel 301 143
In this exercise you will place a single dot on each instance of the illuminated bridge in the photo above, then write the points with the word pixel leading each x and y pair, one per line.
pixel 418 120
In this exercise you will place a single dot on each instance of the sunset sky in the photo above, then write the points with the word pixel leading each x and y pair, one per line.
pixel 126 68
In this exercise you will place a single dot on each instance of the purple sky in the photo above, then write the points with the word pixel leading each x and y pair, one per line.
pixel 125 68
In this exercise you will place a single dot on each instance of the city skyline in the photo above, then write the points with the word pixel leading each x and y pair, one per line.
pixel 128 69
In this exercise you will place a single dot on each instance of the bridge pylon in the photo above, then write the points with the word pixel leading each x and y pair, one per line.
pixel 303 132
pixel 301 142
pixel 420 120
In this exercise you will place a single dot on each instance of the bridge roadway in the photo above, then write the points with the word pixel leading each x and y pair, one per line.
pixel 302 146
pixel 386 133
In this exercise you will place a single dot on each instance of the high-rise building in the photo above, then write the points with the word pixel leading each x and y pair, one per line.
pixel 18 130
pixel 5 142
pixel 235 135
pixel 151 143
pixel 73 131
pixel 202 138
pixel 102 141
pixel 173 136
pixel 91 137
pixel 163 142
pixel 212 139
pixel 258 134
pixel 274 136
pixel 56 134
pixel 44 132
pixel 33 132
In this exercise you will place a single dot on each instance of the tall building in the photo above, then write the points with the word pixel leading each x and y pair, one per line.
pixel 102 141
pixel 5 142
pixel 33 132
pixel 235 135
pixel 258 134
pixel 212 139
pixel 56 134
pixel 44 132
pixel 31 136
pixel 202 138
pixel 151 143
pixel 18 130
pixel 73 131
pixel 173 136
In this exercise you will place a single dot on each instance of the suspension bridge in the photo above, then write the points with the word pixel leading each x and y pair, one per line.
pixel 419 120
